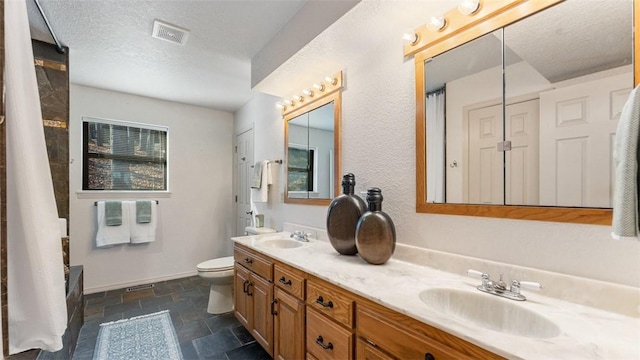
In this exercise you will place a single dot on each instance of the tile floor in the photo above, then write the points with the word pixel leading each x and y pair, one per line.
pixel 201 335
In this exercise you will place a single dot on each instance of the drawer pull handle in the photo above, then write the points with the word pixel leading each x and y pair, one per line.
pixel 287 282
pixel 328 304
pixel 429 356
pixel 249 293
pixel 244 286
pixel 320 341
pixel 273 310
pixel 248 261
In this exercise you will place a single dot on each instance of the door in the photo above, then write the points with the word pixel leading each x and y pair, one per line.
pixel 577 134
pixel 289 337
pixel 241 300
pixel 367 351
pixel 485 178
pixel 261 292
pixel 244 169
pixel 521 162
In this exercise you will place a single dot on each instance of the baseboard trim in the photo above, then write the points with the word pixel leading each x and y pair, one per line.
pixel 91 290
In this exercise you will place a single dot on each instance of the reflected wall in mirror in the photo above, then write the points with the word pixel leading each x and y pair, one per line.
pixel 546 86
pixel 312 138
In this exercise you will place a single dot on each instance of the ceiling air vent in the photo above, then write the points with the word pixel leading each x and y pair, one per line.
pixel 168 32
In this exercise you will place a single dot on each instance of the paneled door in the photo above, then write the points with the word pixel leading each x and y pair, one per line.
pixel 521 162
pixel 577 133
pixel 244 163
pixel 485 179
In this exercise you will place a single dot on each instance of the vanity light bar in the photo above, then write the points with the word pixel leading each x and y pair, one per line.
pixel 307 96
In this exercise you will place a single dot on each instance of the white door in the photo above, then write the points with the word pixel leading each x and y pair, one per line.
pixel 521 162
pixel 244 168
pixel 485 177
pixel 577 133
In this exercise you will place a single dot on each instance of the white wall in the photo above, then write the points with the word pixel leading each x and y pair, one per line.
pixel 195 221
pixel 378 146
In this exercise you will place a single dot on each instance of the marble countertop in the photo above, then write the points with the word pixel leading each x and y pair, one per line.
pixel 585 332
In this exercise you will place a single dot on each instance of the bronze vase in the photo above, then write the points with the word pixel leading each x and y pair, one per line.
pixel 342 217
pixel 375 232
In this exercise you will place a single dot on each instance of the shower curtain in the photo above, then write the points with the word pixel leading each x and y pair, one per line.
pixel 36 288
pixel 435 106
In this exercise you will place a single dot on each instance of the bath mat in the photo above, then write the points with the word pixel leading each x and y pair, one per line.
pixel 149 336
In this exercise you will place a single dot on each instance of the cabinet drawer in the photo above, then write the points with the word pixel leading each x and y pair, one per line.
pixel 331 302
pixel 326 339
pixel 402 344
pixel 289 280
pixel 254 262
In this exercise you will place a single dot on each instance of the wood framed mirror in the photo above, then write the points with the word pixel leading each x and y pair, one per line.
pixel 496 23
pixel 312 147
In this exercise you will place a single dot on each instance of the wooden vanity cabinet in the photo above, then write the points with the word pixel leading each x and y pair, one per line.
pixel 330 332
pixel 289 313
pixel 253 295
pixel 386 334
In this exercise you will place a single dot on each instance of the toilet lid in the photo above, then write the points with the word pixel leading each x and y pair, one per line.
pixel 219 264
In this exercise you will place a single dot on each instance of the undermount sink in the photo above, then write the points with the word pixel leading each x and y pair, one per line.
pixel 490 312
pixel 279 243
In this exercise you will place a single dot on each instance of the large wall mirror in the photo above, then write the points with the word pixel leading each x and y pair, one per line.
pixel 517 112
pixel 312 151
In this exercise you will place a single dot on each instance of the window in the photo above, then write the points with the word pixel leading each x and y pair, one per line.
pixel 301 169
pixel 121 155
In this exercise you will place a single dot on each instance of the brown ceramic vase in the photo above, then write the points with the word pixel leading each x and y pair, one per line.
pixel 342 217
pixel 375 232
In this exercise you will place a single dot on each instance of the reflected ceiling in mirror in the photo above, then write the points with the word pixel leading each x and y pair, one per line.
pixel 553 103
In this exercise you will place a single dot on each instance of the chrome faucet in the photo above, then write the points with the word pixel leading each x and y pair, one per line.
pixel 300 236
pixel 499 287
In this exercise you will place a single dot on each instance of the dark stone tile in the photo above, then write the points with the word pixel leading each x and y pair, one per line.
pixel 85 349
pixel 200 302
pixel 167 288
pixel 223 321
pixel 116 292
pixel 120 308
pixel 194 315
pixel 176 320
pixel 178 306
pixel 252 351
pixel 26 355
pixel 192 330
pixel 93 313
pixel 93 296
pixel 215 345
pixel 156 301
pixel 186 295
pixel 138 294
pixel 188 351
pixel 243 335
pixel 137 312
pixel 104 301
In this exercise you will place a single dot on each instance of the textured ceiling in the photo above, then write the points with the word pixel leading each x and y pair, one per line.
pixel 111 45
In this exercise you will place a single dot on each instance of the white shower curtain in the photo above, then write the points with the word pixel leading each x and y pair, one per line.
pixel 435 146
pixel 36 289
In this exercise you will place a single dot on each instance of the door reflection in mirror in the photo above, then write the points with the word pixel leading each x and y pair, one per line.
pixel 567 73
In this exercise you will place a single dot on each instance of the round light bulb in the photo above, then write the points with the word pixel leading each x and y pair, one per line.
pixel 288 102
pixel 331 80
pixel 469 7
pixel 437 23
pixel 410 38
pixel 319 87
pixel 307 92
pixel 297 98
pixel 280 106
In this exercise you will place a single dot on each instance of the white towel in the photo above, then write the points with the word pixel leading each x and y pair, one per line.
pixel 145 232
pixel 256 179
pixel 261 195
pixel 625 199
pixel 112 235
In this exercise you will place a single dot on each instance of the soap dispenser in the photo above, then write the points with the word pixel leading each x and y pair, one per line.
pixel 375 232
pixel 342 217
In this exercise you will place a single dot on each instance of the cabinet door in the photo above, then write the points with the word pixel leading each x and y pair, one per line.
pixel 242 308
pixel 288 327
pixel 261 292
pixel 367 351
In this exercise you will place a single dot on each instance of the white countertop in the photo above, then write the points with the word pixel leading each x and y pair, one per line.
pixel 586 333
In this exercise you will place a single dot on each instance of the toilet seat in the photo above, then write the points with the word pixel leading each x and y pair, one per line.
pixel 216 265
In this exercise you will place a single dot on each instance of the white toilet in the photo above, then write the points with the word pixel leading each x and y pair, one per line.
pixel 219 273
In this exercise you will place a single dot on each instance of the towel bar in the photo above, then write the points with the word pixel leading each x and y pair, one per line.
pixel 279 161
pixel 96 203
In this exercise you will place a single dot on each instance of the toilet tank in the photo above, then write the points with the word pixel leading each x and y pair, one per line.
pixel 251 230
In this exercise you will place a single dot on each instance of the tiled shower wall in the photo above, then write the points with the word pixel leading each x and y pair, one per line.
pixel 53 86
